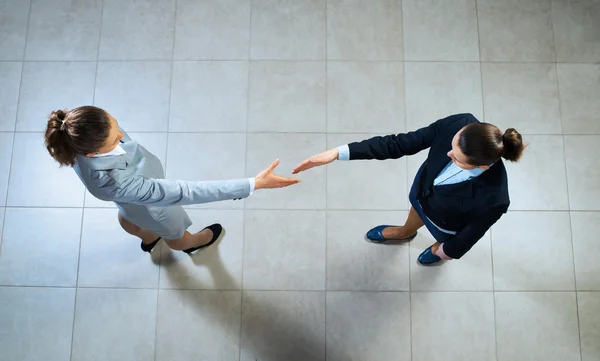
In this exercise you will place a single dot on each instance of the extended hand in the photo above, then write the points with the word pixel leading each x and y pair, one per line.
pixel 317 160
pixel 267 179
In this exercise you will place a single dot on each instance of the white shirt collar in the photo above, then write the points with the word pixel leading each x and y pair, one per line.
pixel 117 151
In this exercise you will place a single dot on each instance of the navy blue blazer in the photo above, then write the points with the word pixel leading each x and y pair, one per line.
pixel 470 208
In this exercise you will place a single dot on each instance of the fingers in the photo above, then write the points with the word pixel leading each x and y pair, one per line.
pixel 302 166
pixel 283 182
pixel 274 165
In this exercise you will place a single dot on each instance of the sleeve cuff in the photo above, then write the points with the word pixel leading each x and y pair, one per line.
pixel 252 184
pixel 440 253
pixel 344 152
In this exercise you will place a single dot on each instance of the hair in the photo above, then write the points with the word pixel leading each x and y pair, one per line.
pixel 484 144
pixel 80 131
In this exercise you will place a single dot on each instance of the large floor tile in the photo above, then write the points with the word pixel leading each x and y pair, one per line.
pixel 368 326
pixel 365 184
pixel 353 264
pixel 40 247
pixel 586 248
pixel 156 143
pixel 291 149
pixel 365 97
pixel 458 316
pixel 554 317
pixel 205 157
pixel 198 325
pixel 2 210
pixel 214 29
pixel 13 29
pixel 428 97
pixel 539 181
pixel 579 86
pixel 473 272
pixel 517 237
pixel 36 179
pixel 37 323
pixel 287 97
pixel 576 30
pixel 284 250
pixel 116 324
pixel 138 101
pixel 522 96
pixel 515 30
pixel 283 326
pixel 583 171
pixel 10 73
pixel 64 30
pixel 209 96
pixel 48 86
pixel 440 30
pixel 216 267
pixel 364 29
pixel 6 146
pixel 589 324
pixel 137 30
pixel 288 29
pixel 109 257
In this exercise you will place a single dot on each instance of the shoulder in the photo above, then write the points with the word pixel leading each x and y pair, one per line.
pixel 453 123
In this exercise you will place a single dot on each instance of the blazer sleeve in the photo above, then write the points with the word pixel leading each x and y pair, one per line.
pixel 464 240
pixel 397 146
pixel 167 192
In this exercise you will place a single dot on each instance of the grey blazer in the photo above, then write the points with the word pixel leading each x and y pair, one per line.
pixel 135 182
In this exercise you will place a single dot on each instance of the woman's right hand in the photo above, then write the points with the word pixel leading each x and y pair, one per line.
pixel 317 160
pixel 267 179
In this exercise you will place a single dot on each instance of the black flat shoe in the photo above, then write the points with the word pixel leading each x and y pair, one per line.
pixel 148 247
pixel 216 230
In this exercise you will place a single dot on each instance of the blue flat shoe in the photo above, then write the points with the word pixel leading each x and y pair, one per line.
pixel 376 235
pixel 427 258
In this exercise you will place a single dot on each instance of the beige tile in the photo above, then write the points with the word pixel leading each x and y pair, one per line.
pixel 283 326
pixel 518 241
pixel 515 30
pixel 353 264
pixel 583 171
pixel 589 324
pixel 364 30
pixel 365 97
pixel 579 86
pixel 368 325
pixel 285 250
pixel 522 96
pixel 576 31
pixel 539 181
pixel 458 316
pixel 537 326
pixel 288 30
pixel 440 30
pixel 585 228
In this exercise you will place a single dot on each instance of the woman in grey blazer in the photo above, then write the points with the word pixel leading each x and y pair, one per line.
pixel 115 168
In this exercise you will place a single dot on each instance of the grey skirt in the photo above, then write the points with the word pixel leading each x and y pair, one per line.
pixel 170 223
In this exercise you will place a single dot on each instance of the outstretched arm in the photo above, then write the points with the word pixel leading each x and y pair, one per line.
pixel 166 192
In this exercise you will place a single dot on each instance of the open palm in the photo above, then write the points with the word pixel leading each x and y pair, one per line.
pixel 317 160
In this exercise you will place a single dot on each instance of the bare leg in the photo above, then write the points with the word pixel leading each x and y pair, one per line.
pixel 146 236
pixel 190 240
pixel 412 224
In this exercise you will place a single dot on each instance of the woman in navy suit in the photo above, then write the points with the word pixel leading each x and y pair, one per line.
pixel 458 193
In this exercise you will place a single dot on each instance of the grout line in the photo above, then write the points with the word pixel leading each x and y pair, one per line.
pixel 166 154
pixel 83 211
pixel 294 133
pixel 12 147
pixel 245 175
pixel 326 168
pixel 567 183
pixel 295 60
pixel 297 290
pixel 491 228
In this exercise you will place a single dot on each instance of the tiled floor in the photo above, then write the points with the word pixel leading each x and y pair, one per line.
pixel 218 89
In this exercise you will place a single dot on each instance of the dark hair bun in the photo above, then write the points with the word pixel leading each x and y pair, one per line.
pixel 56 119
pixel 513 145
